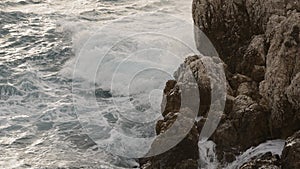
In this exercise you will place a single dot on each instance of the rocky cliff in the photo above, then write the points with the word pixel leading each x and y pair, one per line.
pixel 259 43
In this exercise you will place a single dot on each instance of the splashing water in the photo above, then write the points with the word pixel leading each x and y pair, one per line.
pixel 208 159
pixel 38 126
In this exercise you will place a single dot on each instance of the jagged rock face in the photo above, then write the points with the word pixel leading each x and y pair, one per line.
pixel 291 152
pixel 225 23
pixel 282 76
pixel 259 39
pixel 231 24
pixel 246 125
pixel 199 72
pixel 267 161
pixel 254 59
pixel 185 154
pixel 259 42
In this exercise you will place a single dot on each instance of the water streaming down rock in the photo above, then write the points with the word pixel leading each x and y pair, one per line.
pixel 208 157
pixel 273 146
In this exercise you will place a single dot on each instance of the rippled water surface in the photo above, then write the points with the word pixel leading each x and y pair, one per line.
pixel 38 40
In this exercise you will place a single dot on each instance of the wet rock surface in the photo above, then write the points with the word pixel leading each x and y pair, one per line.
pixel 185 154
pixel 259 44
pixel 259 41
pixel 291 152
pixel 266 161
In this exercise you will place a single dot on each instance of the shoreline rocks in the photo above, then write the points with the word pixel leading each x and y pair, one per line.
pixel 259 44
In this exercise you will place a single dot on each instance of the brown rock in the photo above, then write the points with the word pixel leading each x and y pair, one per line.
pixel 291 152
pixel 267 161
pixel 245 126
pixel 255 55
pixel 172 98
pixel 238 79
pixel 247 88
pixel 258 73
pixel 283 64
pixel 185 153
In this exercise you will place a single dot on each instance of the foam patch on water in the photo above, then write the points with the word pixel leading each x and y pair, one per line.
pixel 131 58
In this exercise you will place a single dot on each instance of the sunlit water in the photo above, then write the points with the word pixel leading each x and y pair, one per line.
pixel 39 41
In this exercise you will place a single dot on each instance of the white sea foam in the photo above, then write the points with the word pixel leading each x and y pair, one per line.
pixel 208 158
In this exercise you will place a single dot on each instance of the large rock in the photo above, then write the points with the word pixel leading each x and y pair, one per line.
pixel 232 24
pixel 185 154
pixel 259 41
pixel 280 85
pixel 185 99
pixel 245 126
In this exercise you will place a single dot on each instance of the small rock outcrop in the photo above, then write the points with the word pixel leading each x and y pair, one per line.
pixel 186 154
pixel 266 161
pixel 291 152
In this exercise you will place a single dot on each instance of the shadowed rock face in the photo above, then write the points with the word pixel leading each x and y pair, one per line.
pixel 267 161
pixel 185 154
pixel 291 152
pixel 232 24
pixel 259 43
pixel 282 76
pixel 259 39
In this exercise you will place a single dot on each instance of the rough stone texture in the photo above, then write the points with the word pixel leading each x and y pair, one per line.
pixel 192 76
pixel 259 41
pixel 254 59
pixel 283 65
pixel 267 161
pixel 291 152
pixel 232 24
pixel 245 126
pixel 199 72
pixel 185 154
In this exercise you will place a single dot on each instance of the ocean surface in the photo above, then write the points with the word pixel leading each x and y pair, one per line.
pixel 42 114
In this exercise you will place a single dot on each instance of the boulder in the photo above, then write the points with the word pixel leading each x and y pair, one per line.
pixel 245 126
pixel 279 87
